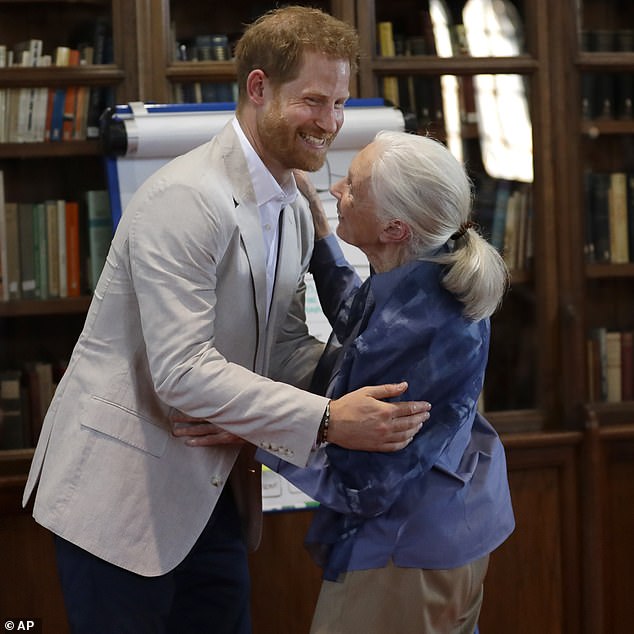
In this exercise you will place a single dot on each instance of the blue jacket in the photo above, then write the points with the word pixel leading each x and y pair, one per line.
pixel 444 500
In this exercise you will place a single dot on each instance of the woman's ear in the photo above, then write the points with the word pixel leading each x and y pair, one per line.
pixel 396 231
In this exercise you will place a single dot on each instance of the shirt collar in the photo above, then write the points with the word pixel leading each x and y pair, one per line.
pixel 266 188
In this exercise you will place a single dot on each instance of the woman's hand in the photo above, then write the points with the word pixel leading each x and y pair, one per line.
pixel 320 220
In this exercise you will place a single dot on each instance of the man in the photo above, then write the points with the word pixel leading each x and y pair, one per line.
pixel 200 299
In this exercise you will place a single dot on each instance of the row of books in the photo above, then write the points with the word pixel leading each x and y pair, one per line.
pixel 607 95
pixel 504 211
pixel 203 48
pixel 54 248
pixel 610 360
pixel 63 113
pixel 609 221
pixel 607 40
pixel 438 34
pixel 25 395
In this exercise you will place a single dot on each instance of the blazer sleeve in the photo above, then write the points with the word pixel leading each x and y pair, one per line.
pixel 336 280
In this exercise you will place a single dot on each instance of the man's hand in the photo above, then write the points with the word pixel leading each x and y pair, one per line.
pixel 201 433
pixel 360 420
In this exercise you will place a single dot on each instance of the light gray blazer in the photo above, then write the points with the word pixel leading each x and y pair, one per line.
pixel 178 322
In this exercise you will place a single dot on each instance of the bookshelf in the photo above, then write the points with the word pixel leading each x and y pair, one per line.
pixel 597 284
pixel 39 166
pixel 438 83
pixel 179 76
pixel 570 453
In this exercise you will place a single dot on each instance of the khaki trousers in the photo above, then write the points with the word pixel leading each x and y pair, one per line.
pixel 395 600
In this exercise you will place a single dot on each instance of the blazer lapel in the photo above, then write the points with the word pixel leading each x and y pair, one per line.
pixel 247 216
pixel 251 235
pixel 287 263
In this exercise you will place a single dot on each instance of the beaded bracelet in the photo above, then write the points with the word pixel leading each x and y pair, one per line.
pixel 322 435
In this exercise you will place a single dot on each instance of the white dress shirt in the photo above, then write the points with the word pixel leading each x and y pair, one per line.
pixel 271 198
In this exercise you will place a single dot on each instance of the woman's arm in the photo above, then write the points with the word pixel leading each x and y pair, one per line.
pixel 320 220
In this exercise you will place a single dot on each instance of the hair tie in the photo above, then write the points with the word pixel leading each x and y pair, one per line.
pixel 464 227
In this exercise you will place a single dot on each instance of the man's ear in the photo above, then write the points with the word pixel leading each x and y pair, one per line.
pixel 255 85
pixel 396 231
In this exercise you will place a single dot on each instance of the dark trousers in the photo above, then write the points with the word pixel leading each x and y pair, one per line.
pixel 207 593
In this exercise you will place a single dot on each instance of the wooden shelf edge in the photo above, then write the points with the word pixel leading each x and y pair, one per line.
pixel 615 61
pixel 90 75
pixel 89 147
pixel 201 71
pixel 610 415
pixel 14 465
pixel 607 270
pixel 431 65
pixel 594 128
pixel 516 421
pixel 62 306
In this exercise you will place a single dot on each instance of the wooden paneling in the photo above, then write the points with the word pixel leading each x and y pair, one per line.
pixel 536 579
pixel 618 530
pixel 29 586
pixel 533 582
pixel 285 581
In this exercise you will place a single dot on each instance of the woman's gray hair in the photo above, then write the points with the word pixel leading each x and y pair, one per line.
pixel 417 180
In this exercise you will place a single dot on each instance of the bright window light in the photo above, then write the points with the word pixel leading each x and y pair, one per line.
pixel 493 29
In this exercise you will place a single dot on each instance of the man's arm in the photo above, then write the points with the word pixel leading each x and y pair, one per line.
pixel 362 420
pixel 358 420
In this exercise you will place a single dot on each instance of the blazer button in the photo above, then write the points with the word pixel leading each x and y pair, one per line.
pixel 216 481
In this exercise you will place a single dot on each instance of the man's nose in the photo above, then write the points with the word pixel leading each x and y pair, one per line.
pixel 330 119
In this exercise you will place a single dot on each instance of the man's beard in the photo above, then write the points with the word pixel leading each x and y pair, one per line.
pixel 281 141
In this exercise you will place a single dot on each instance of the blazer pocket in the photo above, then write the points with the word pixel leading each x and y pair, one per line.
pixel 125 425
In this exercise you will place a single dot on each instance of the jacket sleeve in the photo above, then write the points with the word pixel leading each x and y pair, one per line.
pixel 335 278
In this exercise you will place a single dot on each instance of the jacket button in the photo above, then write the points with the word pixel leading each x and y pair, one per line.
pixel 216 481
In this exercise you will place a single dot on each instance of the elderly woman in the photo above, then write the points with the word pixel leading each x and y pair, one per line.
pixel 404 538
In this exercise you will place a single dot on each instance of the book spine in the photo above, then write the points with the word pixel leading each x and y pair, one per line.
pixel 627 365
pixel 52 248
pixel 12 434
pixel 14 277
pixel 40 250
pixel 99 232
pixel 601 216
pixel 613 366
pixel 385 35
pixel 502 196
pixel 61 242
pixel 4 264
pixel 27 258
pixel 598 364
pixel 73 262
pixel 617 209
pixel 3 97
pixel 70 102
